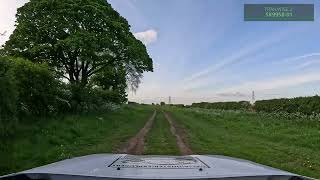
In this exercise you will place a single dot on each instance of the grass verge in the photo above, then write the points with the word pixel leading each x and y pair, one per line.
pixel 160 140
pixel 277 141
pixel 41 141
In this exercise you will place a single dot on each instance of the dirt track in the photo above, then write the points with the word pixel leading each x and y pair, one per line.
pixel 180 135
pixel 136 144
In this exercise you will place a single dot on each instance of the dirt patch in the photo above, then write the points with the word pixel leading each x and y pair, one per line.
pixel 180 134
pixel 135 145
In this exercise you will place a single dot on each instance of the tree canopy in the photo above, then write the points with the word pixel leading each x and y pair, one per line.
pixel 79 39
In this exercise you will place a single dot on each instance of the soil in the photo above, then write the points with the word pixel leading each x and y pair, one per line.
pixel 135 145
pixel 180 134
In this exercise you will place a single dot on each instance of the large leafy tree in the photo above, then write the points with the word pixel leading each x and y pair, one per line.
pixel 79 39
pixel 112 80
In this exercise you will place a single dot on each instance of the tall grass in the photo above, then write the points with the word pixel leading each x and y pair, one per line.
pixel 39 141
pixel 284 141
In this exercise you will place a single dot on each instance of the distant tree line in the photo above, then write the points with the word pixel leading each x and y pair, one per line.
pixel 68 56
pixel 302 105
pixel 242 105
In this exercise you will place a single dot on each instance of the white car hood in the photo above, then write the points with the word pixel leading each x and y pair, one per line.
pixel 115 166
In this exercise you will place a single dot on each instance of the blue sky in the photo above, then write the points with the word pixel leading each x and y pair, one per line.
pixel 203 50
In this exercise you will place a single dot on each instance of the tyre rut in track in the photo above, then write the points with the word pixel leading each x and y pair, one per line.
pixel 180 135
pixel 135 145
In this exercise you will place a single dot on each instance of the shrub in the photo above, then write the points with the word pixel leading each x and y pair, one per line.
pixel 28 88
pixel 177 105
pixel 95 99
pixel 37 87
pixel 8 97
pixel 303 105
pixel 242 105
pixel 131 102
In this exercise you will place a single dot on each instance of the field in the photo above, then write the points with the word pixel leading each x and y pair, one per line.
pixel 281 142
pixel 68 68
pixel 48 140
pixel 160 140
pixel 284 142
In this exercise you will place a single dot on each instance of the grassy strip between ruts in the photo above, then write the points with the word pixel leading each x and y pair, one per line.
pixel 160 140
pixel 280 142
pixel 48 140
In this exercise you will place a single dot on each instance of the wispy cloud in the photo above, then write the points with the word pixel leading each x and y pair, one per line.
pixel 300 62
pixel 243 90
pixel 233 58
pixel 275 83
pixel 298 58
pixel 238 56
pixel 8 11
pixel 147 37
pixel 231 94
pixel 311 63
pixel 213 61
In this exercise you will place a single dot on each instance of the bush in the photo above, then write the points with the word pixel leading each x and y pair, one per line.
pixel 242 105
pixel 8 97
pixel 133 103
pixel 303 105
pixel 94 99
pixel 28 88
pixel 102 100
pixel 37 87
pixel 177 105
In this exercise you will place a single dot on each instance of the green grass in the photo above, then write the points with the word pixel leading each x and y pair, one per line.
pixel 277 141
pixel 287 143
pixel 159 139
pixel 42 141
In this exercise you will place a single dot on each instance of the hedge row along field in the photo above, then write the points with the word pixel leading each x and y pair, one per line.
pixel 242 105
pixel 301 105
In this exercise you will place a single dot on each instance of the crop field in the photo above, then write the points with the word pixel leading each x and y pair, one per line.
pixel 286 142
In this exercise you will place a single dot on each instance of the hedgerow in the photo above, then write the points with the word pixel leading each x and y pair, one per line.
pixel 241 105
pixel 299 105
pixel 302 105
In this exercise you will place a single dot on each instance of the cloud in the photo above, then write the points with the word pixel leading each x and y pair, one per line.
pixel 238 56
pixel 298 58
pixel 276 83
pixel 312 63
pixel 233 58
pixel 8 11
pixel 301 62
pixel 147 37
pixel 236 94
